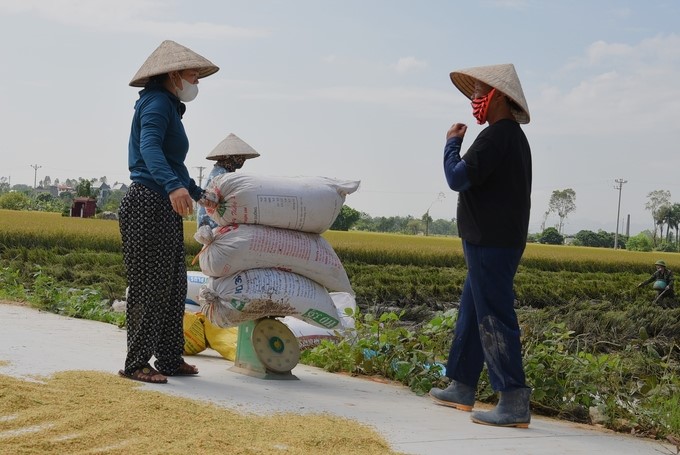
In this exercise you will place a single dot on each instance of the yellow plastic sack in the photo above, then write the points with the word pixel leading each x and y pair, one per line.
pixel 194 333
pixel 222 340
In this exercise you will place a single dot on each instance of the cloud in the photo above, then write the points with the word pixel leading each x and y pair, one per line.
pixel 378 95
pixel 660 50
pixel 128 16
pixel 622 13
pixel 406 64
pixel 330 59
pixel 601 51
pixel 418 101
pixel 81 11
pixel 509 4
pixel 203 30
pixel 618 87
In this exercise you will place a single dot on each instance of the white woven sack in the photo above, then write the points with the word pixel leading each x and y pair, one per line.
pixel 258 293
pixel 309 335
pixel 231 249
pixel 195 281
pixel 308 204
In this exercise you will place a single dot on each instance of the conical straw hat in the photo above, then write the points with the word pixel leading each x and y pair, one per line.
pixel 170 56
pixel 501 77
pixel 232 145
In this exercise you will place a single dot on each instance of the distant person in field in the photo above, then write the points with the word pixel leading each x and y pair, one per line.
pixel 229 155
pixel 493 180
pixel 662 279
pixel 151 213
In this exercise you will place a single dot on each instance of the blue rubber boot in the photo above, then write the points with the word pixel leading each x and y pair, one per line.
pixel 512 410
pixel 456 395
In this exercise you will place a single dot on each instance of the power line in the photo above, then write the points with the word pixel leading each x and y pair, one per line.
pixel 35 175
pixel 200 175
pixel 619 186
pixel 440 196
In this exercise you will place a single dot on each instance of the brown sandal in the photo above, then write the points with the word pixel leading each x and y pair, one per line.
pixel 184 370
pixel 145 374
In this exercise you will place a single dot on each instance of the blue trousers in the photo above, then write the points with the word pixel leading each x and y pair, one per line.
pixel 487 328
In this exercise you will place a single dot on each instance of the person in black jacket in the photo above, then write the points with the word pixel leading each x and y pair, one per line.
pixel 493 180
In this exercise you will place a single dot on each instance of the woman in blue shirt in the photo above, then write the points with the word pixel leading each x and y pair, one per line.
pixel 151 224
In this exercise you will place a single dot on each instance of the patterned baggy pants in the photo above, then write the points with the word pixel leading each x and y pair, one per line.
pixel 153 251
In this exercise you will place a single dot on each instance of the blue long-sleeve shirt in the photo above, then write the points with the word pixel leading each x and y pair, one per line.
pixel 158 144
pixel 455 167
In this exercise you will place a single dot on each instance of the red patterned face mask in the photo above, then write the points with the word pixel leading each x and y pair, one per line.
pixel 480 106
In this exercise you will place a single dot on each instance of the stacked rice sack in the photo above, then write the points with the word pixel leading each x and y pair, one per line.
pixel 268 258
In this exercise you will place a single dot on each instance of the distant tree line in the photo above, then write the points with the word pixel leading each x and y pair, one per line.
pixel 351 219
pixel 644 241
pixel 56 196
pixel 664 235
pixel 665 215
pixel 599 239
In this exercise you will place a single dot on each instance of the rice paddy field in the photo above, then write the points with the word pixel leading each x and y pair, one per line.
pixel 414 275
pixel 385 269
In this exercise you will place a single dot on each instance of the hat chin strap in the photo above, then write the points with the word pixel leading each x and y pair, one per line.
pixel 173 75
pixel 170 85
pixel 502 109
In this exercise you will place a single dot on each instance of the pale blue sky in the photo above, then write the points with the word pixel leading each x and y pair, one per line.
pixel 357 90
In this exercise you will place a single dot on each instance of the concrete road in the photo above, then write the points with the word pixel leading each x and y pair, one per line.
pixel 35 342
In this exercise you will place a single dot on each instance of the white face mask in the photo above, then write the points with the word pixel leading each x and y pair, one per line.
pixel 188 92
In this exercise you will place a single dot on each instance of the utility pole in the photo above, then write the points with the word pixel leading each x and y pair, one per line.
pixel 200 175
pixel 618 186
pixel 35 175
pixel 440 196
